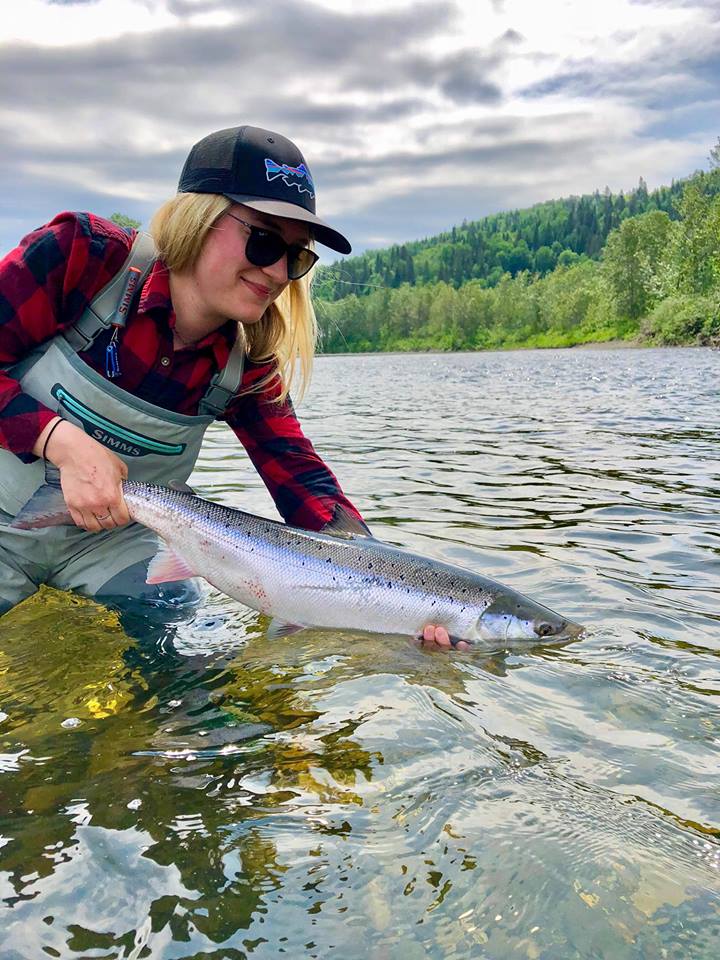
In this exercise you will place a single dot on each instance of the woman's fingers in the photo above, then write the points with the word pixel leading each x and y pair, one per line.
pixel 91 478
pixel 437 638
pixel 119 510
pixel 94 522
pixel 113 513
pixel 106 520
pixel 78 518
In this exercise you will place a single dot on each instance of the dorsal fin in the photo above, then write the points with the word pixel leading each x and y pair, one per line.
pixel 345 524
pixel 181 486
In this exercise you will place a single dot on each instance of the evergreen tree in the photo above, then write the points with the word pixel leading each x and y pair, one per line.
pixel 122 220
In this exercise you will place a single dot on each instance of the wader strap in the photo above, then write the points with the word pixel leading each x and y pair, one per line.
pixel 110 306
pixel 224 385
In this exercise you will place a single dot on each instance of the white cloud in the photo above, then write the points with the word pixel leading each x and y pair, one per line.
pixel 38 22
pixel 468 106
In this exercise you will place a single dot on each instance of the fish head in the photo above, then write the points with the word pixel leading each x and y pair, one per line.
pixel 514 617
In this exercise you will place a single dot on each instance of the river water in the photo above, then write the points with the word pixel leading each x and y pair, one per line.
pixel 196 790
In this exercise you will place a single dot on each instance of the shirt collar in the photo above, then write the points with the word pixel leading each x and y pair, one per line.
pixel 155 299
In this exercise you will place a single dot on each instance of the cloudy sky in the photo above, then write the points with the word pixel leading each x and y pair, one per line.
pixel 412 115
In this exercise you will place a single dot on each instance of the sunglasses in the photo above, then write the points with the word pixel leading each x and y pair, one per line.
pixel 264 247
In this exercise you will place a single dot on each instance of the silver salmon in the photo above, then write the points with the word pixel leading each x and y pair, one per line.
pixel 342 577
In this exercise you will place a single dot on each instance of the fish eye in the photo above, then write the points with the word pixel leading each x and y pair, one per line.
pixel 545 629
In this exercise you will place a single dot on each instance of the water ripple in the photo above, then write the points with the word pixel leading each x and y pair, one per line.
pixel 193 789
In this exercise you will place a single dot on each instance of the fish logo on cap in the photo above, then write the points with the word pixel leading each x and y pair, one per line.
pixel 291 176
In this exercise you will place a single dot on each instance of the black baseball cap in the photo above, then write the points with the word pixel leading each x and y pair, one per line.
pixel 261 169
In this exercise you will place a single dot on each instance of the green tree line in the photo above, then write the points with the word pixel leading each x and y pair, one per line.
pixel 538 239
pixel 655 275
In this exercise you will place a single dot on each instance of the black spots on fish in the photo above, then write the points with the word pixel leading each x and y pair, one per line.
pixel 370 566
pixel 329 560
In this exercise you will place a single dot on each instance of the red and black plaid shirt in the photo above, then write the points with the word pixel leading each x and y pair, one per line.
pixel 45 285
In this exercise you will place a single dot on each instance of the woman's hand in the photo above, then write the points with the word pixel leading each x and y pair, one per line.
pixel 437 638
pixel 90 475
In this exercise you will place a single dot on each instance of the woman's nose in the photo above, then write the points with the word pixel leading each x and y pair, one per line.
pixel 278 271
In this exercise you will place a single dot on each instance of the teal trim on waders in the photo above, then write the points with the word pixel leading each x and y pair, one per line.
pixel 93 422
pixel 157 445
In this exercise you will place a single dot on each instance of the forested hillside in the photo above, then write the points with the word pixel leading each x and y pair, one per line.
pixel 591 268
pixel 536 239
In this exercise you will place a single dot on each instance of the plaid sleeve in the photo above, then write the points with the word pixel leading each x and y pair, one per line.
pixel 45 284
pixel 304 489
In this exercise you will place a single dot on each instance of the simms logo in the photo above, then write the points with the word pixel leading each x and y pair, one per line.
pixel 120 446
pixel 131 283
pixel 125 442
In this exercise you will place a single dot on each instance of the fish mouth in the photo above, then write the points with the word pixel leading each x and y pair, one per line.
pixel 519 618
pixel 546 629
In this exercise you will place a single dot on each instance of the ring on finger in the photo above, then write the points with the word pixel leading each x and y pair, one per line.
pixel 105 516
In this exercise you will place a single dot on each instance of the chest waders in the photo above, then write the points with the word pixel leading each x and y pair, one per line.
pixel 157 445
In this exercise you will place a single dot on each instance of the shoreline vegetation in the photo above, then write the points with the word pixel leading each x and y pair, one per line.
pixel 588 345
pixel 635 269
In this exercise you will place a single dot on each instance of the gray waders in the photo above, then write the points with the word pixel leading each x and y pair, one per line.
pixel 157 445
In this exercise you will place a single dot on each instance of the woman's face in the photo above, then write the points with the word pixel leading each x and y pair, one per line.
pixel 226 285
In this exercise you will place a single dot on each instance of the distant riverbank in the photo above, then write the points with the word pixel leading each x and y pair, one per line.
pixel 594 345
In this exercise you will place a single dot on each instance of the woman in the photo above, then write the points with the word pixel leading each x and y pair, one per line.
pixel 212 326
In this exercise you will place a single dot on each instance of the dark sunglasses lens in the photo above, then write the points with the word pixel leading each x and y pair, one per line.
pixel 300 261
pixel 264 248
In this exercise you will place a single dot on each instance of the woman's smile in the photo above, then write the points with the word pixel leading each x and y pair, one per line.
pixel 261 292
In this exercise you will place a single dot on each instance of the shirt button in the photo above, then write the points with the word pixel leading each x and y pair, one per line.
pixel 165 361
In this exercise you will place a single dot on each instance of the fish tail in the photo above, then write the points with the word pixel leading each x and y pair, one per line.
pixel 46 508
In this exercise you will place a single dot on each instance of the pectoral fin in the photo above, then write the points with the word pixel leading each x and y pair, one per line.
pixel 167 565
pixel 278 628
pixel 345 524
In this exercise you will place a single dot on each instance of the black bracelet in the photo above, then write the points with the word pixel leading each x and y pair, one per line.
pixel 47 438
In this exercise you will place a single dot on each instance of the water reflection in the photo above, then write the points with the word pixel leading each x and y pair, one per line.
pixel 220 795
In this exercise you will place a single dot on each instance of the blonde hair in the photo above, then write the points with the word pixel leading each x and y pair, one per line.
pixel 287 331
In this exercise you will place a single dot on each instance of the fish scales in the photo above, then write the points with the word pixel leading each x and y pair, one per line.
pixel 309 578
pixel 343 578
